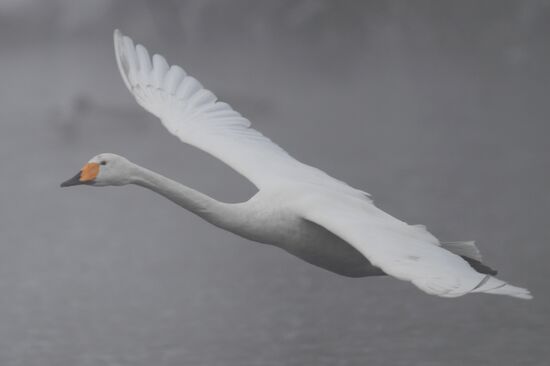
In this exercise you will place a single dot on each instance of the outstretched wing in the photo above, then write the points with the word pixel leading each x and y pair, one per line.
pixel 401 250
pixel 194 114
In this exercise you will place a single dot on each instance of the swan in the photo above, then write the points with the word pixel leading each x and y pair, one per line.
pixel 297 208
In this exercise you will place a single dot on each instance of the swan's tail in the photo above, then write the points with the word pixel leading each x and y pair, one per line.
pixel 489 285
pixel 492 285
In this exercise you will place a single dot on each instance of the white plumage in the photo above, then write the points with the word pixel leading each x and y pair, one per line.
pixel 297 208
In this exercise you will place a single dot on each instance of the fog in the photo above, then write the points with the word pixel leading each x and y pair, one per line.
pixel 439 109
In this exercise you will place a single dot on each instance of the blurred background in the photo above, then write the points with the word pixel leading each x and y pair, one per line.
pixel 437 108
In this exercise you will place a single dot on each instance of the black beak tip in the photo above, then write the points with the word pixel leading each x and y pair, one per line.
pixel 72 182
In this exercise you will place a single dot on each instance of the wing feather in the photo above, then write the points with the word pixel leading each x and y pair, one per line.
pixel 400 249
pixel 194 115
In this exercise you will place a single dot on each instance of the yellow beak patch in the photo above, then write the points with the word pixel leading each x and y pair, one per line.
pixel 89 172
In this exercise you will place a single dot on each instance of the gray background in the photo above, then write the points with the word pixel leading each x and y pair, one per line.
pixel 438 108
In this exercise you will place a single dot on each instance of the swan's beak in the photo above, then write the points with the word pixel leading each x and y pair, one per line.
pixel 73 181
pixel 86 176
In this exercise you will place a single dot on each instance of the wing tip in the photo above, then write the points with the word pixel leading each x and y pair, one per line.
pixel 131 57
pixel 122 63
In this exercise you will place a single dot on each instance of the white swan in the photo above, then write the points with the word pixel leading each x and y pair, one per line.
pixel 298 208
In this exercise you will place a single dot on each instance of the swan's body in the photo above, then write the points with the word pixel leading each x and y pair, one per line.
pixel 298 208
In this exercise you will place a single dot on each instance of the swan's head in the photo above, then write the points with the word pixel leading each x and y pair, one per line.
pixel 103 170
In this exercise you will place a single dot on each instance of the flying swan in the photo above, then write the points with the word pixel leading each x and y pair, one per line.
pixel 298 208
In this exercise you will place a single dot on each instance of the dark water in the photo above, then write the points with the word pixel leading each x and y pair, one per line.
pixel 440 111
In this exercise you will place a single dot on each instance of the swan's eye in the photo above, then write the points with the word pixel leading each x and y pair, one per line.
pixel 103 162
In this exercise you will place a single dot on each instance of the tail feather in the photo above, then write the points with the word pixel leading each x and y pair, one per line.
pixel 492 285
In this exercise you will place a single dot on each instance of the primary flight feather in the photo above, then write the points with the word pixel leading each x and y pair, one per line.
pixel 298 208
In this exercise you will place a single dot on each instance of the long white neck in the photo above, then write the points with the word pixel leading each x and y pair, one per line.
pixel 224 215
